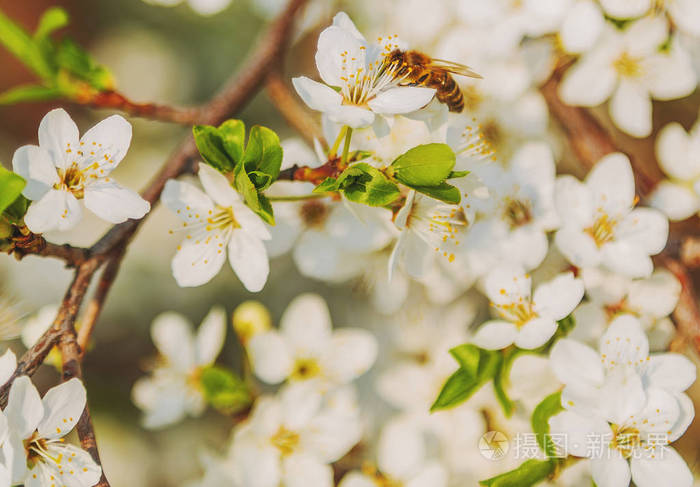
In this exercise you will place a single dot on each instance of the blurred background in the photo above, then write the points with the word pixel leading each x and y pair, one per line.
pixel 177 56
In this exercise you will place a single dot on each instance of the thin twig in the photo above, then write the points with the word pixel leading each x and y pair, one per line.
pixel 116 101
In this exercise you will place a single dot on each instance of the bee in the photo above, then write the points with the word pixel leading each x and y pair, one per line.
pixel 419 69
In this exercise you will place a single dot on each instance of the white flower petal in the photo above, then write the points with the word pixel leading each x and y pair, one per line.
pixel 162 398
pixel 673 151
pixel 578 247
pixel 507 284
pixel 576 363
pixel 57 209
pixel 578 430
pixel 495 335
pixel 112 135
pixel 248 258
pixel 686 15
pixel 34 164
pixel 114 203
pixel 172 335
pixel 673 75
pixel 573 201
pixel 8 365
pixel 63 406
pixel 209 7
pixel 622 394
pixel 433 474
pixel 535 333
pixel 217 186
pixel 558 298
pixel 627 259
pixel 80 470
pixel 589 82
pixel 676 201
pixel 625 9
pixel 357 479
pixel 351 353
pixel 211 336
pixel 686 415
pixel 659 414
pixel 317 95
pixel 657 295
pixel 198 261
pixel 306 324
pixel 670 371
pixel 630 109
pixel 56 131
pixel 583 24
pixel 330 60
pixel 352 116
pixel 189 202
pixel 646 228
pixel 24 408
pixel 667 468
pixel 624 343
pixel 401 449
pixel 610 469
pixel 611 182
pixel 402 99
pixel 270 357
pixel 304 470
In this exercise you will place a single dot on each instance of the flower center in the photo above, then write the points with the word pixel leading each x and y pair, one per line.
pixel 517 213
pixel 625 439
pixel 473 144
pixel 72 179
pixel 305 368
pixel 493 134
pixel 438 227
pixel 285 441
pixel 517 313
pixel 603 230
pixel 314 213
pixel 628 66
pixel 380 479
pixel 36 450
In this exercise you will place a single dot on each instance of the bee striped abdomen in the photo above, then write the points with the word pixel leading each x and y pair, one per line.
pixel 451 95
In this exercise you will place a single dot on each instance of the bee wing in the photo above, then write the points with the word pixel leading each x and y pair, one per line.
pixel 454 68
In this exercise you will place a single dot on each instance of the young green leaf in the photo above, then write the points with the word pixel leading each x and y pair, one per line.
pixel 424 165
pixel 25 93
pixel 502 379
pixel 326 186
pixel 550 406
pixel 263 152
pixel 11 186
pixel 212 148
pixel 365 184
pixel 223 390
pixel 232 133
pixel 256 201
pixel 443 192
pixel 457 174
pixel 74 59
pixel 468 379
pixel 16 211
pixel 528 474
pixel 24 47
pixel 52 19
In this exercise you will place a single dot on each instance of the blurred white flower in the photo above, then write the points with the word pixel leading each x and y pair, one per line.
pixel 201 7
pixel 368 85
pixel 678 153
pixel 527 319
pixel 512 223
pixel 651 300
pixel 630 68
pixel 306 349
pixel 37 428
pixel 685 14
pixel 428 227
pixel 401 460
pixel 581 26
pixel 172 391
pixel 290 439
pixel 631 405
pixel 63 169
pixel 600 225
pixel 216 221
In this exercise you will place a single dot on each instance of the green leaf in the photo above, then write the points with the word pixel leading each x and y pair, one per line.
pixel 263 152
pixel 467 380
pixel 53 19
pixel 24 47
pixel 550 406
pixel 501 380
pixel 468 356
pixel 223 390
pixel 232 133
pixel 16 211
pixel 74 59
pixel 526 475
pixel 457 174
pixel 212 148
pixel 326 186
pixel 25 93
pixel 11 186
pixel 424 165
pixel 443 192
pixel 365 184
pixel 255 201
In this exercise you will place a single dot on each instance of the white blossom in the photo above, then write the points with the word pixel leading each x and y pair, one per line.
pixel 216 222
pixel 172 390
pixel 64 169
pixel 599 224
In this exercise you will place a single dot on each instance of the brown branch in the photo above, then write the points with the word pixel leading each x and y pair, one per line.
pixel 25 243
pixel 116 101
pixel 590 141
pixel 293 112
